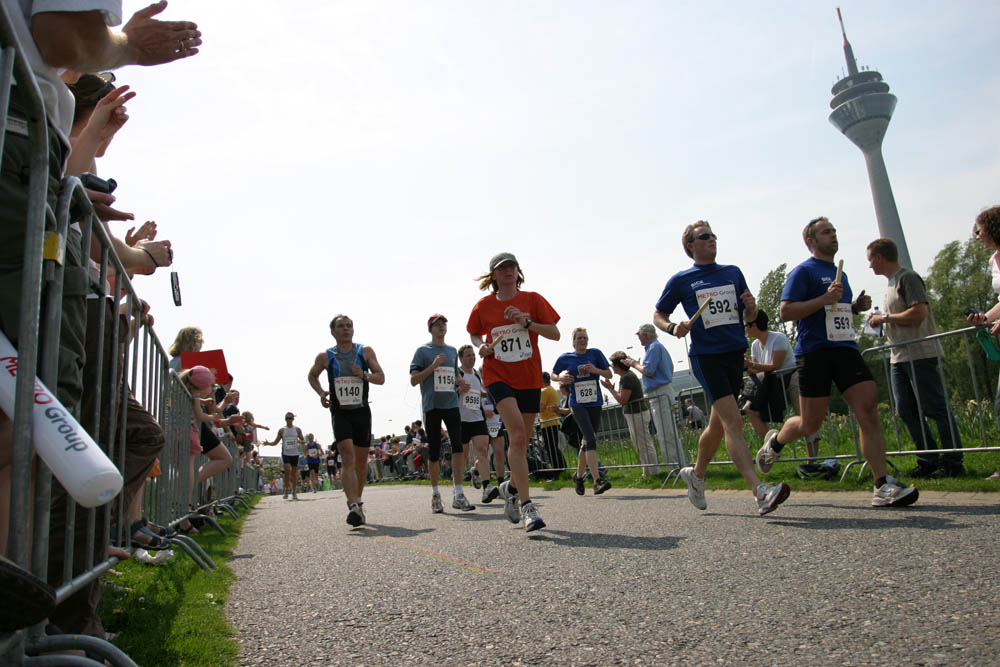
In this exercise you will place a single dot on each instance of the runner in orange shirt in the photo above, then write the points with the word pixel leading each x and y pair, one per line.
pixel 511 321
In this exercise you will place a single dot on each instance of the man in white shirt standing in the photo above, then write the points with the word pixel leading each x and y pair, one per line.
pixel 770 352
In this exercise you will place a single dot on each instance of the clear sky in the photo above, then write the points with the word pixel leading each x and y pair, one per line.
pixel 370 157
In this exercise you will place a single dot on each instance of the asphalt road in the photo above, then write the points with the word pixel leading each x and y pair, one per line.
pixel 630 577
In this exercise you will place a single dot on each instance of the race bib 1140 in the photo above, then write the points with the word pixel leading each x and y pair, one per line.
pixel 348 389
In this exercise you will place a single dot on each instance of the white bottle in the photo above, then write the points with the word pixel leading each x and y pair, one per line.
pixel 71 454
pixel 878 331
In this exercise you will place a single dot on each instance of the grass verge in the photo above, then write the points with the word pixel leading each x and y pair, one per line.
pixel 174 614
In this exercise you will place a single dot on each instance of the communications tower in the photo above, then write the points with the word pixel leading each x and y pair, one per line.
pixel 862 108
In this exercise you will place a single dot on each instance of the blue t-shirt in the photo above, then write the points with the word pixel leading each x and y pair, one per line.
pixel 720 327
pixel 585 386
pixel 438 390
pixel 809 280
pixel 658 362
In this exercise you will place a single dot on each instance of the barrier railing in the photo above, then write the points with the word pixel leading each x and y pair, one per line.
pixel 624 440
pixel 924 381
pixel 126 387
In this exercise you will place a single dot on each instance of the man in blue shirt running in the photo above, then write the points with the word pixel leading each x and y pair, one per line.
pixel 718 342
pixel 825 353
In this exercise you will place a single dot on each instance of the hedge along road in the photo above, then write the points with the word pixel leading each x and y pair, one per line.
pixel 629 577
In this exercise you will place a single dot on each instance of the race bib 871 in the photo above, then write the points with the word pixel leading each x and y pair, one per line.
pixel 515 344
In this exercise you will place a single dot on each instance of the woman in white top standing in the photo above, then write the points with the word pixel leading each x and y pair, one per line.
pixel 771 352
pixel 987 230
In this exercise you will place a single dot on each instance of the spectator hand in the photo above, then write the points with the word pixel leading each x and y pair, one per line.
pixel 154 42
pixel 146 232
pixel 159 253
pixel 102 202
pixel 144 316
pixel 606 383
pixel 109 115
pixel 875 320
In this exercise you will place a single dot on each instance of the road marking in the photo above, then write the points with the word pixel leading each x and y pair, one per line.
pixel 447 558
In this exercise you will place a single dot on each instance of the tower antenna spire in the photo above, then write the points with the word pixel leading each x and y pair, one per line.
pixel 852 64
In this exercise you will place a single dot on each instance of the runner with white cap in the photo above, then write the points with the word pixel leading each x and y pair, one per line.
pixel 511 320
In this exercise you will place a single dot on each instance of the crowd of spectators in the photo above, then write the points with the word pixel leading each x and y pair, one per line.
pixel 71 48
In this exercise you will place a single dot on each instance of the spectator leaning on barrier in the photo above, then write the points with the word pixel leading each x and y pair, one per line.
pixel 987 230
pixel 548 422
pixel 188 339
pixel 695 415
pixel 657 370
pixel 634 409
pixel 770 352
pixel 917 383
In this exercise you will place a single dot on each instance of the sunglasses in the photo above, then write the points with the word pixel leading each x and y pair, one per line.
pixel 706 236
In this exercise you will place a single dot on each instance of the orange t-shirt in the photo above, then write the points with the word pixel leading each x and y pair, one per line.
pixel 515 359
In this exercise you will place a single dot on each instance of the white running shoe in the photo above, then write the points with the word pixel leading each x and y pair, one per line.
pixel 770 496
pixel 476 479
pixel 696 488
pixel 490 493
pixel 462 503
pixel 894 494
pixel 530 516
pixel 510 503
pixel 354 515
pixel 766 456
pixel 436 506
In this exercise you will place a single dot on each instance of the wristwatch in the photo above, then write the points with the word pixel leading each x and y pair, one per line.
pixel 527 323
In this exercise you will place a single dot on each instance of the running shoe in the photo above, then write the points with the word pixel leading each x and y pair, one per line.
pixel 462 503
pixel 601 486
pixel 696 488
pixel 436 506
pixel 770 496
pixel 531 519
pixel 579 484
pixel 894 494
pixel 285 496
pixel 510 503
pixel 490 493
pixel 476 481
pixel 295 496
pixel 355 517
pixel 766 456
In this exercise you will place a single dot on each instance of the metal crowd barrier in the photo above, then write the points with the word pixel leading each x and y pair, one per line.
pixel 126 360
pixel 904 443
pixel 616 445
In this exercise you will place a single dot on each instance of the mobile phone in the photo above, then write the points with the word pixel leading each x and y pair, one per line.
pixel 175 287
pixel 972 311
